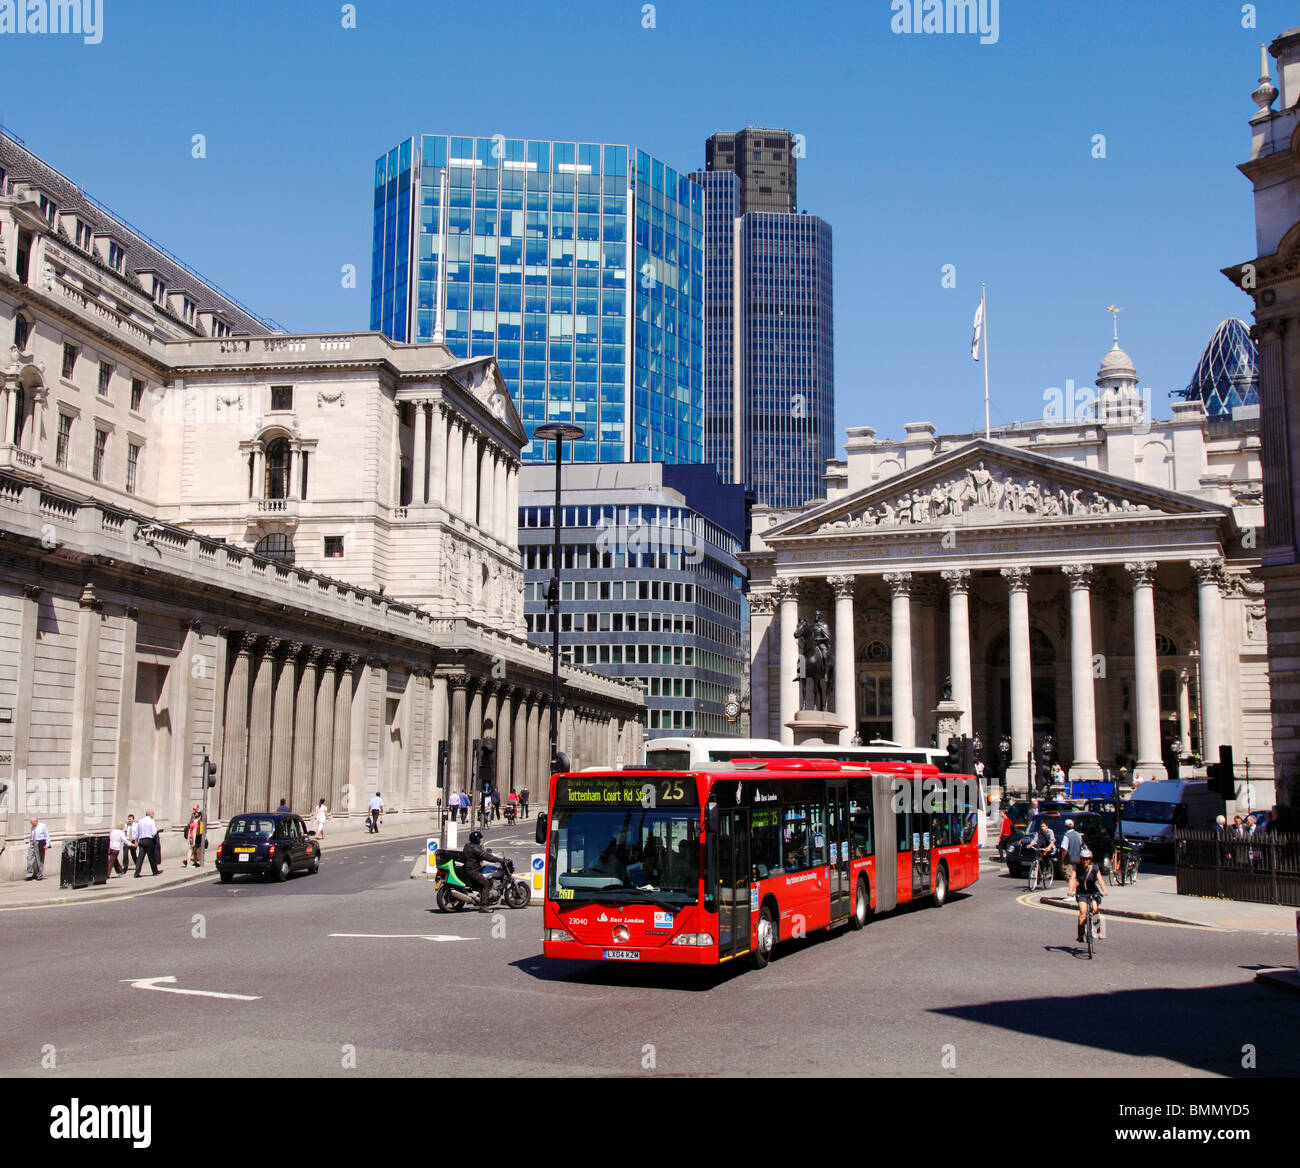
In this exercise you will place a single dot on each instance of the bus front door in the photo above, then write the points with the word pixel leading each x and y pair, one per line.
pixel 731 887
pixel 837 833
pixel 921 843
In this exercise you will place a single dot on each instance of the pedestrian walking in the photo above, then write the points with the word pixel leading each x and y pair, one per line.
pixel 513 801
pixel 132 830
pixel 464 806
pixel 37 841
pixel 194 839
pixel 523 801
pixel 117 850
pixel 283 809
pixel 376 810
pixel 495 796
pixel 147 839
pixel 320 817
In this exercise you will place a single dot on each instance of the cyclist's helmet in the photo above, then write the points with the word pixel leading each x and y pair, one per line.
pixel 476 837
pixel 1085 854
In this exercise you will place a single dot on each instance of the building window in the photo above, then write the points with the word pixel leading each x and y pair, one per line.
pixel 137 394
pixel 48 209
pixel 333 547
pixel 281 397
pixel 187 310
pixel 115 256
pixel 220 328
pixel 105 373
pixel 22 330
pixel 83 235
pixel 69 360
pixel 101 448
pixel 132 461
pixel 20 408
pixel 64 441
pixel 276 546
pixel 278 457
pixel 159 291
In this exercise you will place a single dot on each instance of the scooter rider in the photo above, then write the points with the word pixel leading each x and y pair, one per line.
pixel 475 854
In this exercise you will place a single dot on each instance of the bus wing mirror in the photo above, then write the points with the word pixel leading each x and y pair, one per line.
pixel 541 827
pixel 711 818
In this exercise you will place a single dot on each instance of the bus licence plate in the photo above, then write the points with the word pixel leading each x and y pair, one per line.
pixel 622 955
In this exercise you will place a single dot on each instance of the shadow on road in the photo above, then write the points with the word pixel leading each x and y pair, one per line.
pixel 1203 1028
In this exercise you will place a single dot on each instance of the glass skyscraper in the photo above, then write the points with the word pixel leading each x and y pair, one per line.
pixel 580 266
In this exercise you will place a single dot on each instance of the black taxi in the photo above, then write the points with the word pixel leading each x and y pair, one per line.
pixel 267 843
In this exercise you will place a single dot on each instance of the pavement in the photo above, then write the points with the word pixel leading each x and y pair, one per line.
pixel 342 832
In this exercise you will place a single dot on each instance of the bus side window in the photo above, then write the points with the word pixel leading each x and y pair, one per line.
pixel 766 845
pixel 862 829
pixel 795 842
pixel 903 827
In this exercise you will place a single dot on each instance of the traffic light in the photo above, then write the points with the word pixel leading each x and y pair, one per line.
pixel 487 763
pixel 210 772
pixel 953 765
pixel 1222 781
pixel 967 755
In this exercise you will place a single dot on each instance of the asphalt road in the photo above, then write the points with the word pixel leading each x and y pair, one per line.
pixel 354 972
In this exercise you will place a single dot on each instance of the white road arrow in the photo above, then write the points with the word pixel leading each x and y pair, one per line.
pixel 153 983
pixel 410 936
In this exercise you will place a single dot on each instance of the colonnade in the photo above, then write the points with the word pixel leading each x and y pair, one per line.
pixel 458 467
pixel 1210 576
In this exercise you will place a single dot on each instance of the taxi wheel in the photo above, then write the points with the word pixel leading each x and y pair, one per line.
pixel 861 905
pixel 284 871
pixel 226 877
pixel 315 864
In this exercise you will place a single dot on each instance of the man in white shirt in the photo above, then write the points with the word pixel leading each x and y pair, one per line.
pixel 37 841
pixel 132 830
pixel 116 851
pixel 147 836
pixel 376 810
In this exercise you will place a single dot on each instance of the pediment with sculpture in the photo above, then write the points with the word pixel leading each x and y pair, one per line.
pixel 986 487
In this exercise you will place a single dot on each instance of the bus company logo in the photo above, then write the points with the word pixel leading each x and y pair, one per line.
pixel 602 919
pixel 760 797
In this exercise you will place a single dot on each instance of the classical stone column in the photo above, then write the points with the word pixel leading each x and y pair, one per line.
pixel 233 778
pixel 512 505
pixel 282 728
pixel 1019 774
pixel 533 760
pixel 323 746
pixel 787 593
pixel 505 735
pixel 456 734
pixel 499 495
pixel 1184 711
pixel 473 733
pixel 438 454
pixel 1216 730
pixel 304 733
pixel 259 733
pixel 900 656
pixel 455 495
pixel 469 477
pixel 761 607
pixel 846 706
pixel 420 440
pixel 958 581
pixel 519 741
pixel 1085 764
pixel 1146 695
pixel 341 794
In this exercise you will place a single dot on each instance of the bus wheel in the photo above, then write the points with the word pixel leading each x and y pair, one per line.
pixel 941 886
pixel 766 939
pixel 861 905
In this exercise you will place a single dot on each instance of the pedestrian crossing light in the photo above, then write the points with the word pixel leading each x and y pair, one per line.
pixel 1222 781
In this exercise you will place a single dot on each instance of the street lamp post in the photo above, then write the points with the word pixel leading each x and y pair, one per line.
pixel 559 433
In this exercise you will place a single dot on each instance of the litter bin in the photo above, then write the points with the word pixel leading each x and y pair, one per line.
pixel 99 859
pixel 74 869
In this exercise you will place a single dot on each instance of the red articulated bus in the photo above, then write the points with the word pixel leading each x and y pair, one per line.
pixel 701 867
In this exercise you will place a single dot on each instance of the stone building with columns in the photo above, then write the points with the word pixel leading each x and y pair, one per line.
pixel 1272 280
pixel 1090 579
pixel 294 553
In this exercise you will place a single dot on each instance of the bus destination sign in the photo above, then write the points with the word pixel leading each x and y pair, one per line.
pixel 625 791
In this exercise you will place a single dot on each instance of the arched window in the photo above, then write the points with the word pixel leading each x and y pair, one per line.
pixel 20 408
pixel 278 459
pixel 276 546
pixel 1165 646
pixel 22 330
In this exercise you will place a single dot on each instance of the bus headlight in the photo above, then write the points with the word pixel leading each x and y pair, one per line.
pixel 556 935
pixel 693 939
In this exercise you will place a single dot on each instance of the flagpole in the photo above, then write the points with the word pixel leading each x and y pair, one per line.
pixel 985 315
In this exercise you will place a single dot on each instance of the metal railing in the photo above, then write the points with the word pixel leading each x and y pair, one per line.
pixel 1263 868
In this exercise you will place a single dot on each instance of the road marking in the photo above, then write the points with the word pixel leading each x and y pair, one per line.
pixel 407 860
pixel 406 936
pixel 1112 918
pixel 152 983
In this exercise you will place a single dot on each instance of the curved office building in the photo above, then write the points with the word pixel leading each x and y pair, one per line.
pixel 1227 375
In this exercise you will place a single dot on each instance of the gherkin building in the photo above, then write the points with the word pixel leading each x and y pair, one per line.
pixel 1227 375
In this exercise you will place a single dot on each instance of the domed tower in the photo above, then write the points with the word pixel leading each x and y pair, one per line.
pixel 1117 381
pixel 1227 375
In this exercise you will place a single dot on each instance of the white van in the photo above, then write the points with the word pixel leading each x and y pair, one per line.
pixel 1160 805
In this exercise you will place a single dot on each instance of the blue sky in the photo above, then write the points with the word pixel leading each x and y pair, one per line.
pixel 922 151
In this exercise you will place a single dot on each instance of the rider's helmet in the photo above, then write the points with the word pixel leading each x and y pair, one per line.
pixel 1085 854
pixel 476 837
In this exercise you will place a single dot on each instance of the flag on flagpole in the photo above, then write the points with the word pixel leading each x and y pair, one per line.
pixel 979 328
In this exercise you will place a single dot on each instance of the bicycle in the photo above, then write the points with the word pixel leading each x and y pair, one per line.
pixel 1126 865
pixel 1042 870
pixel 1091 928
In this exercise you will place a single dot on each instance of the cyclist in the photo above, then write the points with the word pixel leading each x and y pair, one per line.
pixel 1043 840
pixel 1071 851
pixel 1090 889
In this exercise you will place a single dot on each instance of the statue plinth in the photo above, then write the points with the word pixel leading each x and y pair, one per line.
pixel 947 721
pixel 816 728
